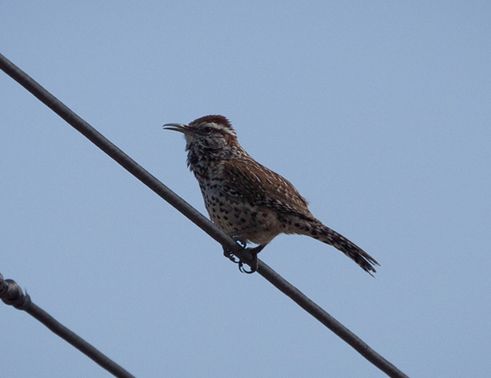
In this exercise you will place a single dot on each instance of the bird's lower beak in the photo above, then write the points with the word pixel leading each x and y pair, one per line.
pixel 177 127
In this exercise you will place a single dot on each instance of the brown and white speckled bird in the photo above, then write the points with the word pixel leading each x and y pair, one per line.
pixel 250 202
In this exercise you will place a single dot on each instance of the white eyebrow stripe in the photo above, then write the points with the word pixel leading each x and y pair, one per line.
pixel 221 127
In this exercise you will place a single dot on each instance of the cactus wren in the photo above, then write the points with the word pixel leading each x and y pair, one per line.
pixel 248 201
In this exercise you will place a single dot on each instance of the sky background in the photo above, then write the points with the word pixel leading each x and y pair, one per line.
pixel 378 111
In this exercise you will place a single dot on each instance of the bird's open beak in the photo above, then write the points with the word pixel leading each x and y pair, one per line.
pixel 177 127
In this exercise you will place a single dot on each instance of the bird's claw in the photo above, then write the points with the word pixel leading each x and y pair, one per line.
pixel 241 264
pixel 253 262
pixel 245 270
pixel 231 256
pixel 236 260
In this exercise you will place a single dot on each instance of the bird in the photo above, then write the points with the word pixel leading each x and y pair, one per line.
pixel 248 201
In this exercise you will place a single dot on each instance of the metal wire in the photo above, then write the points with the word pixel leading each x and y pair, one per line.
pixel 12 294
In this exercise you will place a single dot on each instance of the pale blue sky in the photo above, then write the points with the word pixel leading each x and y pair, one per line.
pixel 379 112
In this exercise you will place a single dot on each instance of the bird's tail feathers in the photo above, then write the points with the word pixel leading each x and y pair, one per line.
pixel 338 241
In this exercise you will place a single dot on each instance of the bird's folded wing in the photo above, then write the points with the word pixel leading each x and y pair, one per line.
pixel 251 181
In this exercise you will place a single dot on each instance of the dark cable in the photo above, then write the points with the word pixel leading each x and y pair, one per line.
pixel 12 294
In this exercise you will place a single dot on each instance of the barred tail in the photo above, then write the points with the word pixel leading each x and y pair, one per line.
pixel 350 249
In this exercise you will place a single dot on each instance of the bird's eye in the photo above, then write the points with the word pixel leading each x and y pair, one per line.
pixel 207 129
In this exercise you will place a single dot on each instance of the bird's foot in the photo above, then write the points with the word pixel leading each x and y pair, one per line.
pixel 242 243
pixel 229 255
pixel 253 264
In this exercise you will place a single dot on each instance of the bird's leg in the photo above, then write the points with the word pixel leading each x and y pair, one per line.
pixel 257 249
pixel 229 255
pixel 253 251
pixel 253 263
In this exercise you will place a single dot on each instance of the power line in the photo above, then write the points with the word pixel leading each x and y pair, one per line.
pixel 191 213
pixel 12 294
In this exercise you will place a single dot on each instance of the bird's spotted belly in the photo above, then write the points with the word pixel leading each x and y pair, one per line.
pixel 242 221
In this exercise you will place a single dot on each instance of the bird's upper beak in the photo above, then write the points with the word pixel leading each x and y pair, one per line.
pixel 182 128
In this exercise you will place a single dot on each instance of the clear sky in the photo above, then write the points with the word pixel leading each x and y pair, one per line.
pixel 378 111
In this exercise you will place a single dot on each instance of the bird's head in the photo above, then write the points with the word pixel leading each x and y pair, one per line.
pixel 208 133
